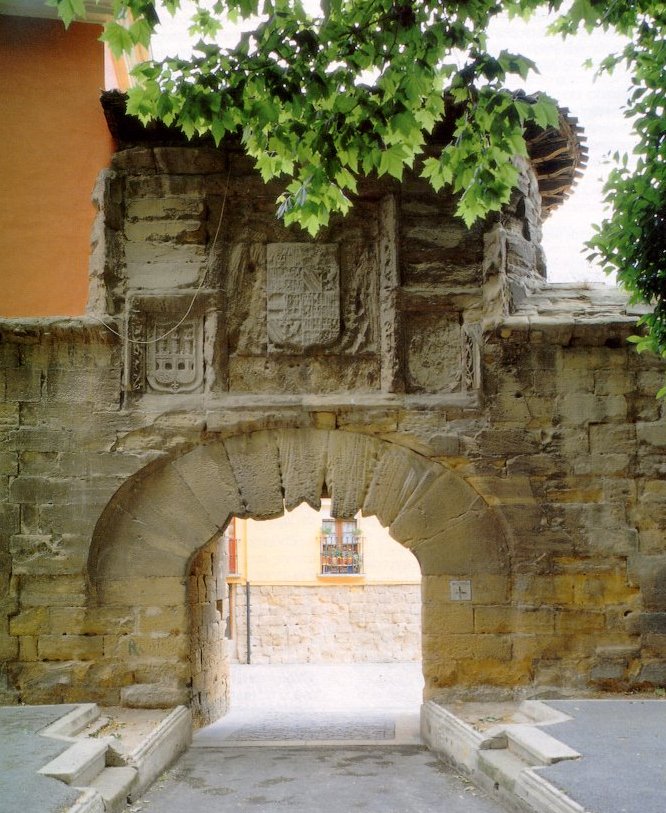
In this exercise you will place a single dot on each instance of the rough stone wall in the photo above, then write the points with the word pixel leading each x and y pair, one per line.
pixel 209 660
pixel 576 450
pixel 530 464
pixel 344 624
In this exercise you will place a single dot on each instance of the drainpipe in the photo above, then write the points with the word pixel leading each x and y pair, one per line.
pixel 247 620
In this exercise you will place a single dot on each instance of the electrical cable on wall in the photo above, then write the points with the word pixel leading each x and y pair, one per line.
pixel 194 296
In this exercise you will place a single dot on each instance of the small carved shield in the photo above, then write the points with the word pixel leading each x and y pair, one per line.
pixel 174 358
pixel 303 296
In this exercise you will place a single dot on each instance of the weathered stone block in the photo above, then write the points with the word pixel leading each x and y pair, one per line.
pixel 474 647
pixel 580 408
pixel 209 475
pixel 46 591
pixel 154 265
pixel 578 621
pixel 153 696
pixel 651 436
pixel 90 620
pixel 396 481
pixel 38 490
pixel 24 384
pixel 649 573
pixel 70 647
pixel 255 460
pixel 35 554
pixel 170 620
pixel 9 647
pixel 653 672
pixel 101 389
pixel 514 490
pixel 653 623
pixel 9 413
pixel 351 460
pixel 503 619
pixel 444 500
pixel 473 543
pixel 33 621
pixel 169 207
pixel 181 232
pixel 159 645
pixel 605 465
pixel 145 591
pixel 302 466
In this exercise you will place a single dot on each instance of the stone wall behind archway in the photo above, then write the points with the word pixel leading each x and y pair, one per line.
pixel 572 481
pixel 518 400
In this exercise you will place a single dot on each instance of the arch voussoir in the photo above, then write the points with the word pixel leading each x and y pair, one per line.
pixel 398 475
pixel 255 461
pixel 350 465
pixel 208 473
pixel 303 458
pixel 147 549
pixel 467 545
pixel 431 509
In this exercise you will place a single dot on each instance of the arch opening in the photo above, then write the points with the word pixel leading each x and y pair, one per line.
pixel 312 595
pixel 160 528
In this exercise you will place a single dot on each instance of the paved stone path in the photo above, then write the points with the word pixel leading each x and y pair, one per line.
pixel 392 779
pixel 320 703
pixel 331 709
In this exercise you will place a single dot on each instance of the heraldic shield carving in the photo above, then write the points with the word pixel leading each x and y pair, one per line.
pixel 303 296
pixel 174 356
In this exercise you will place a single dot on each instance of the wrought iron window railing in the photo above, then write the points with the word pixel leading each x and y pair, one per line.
pixel 341 554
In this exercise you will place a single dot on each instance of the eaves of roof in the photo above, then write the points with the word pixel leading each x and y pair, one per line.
pixel 95 12
pixel 558 155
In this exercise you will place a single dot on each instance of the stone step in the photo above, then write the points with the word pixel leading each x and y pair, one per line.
pixel 535 747
pixel 71 724
pixel 114 786
pixel 502 767
pixel 79 764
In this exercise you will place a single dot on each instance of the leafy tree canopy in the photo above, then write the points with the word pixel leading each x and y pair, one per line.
pixel 321 98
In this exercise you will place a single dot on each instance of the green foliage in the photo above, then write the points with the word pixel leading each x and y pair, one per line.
pixel 322 99
pixel 632 240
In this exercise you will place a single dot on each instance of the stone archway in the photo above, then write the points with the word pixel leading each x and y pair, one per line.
pixel 146 538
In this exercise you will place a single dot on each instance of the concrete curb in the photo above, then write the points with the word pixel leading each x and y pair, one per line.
pixel 108 780
pixel 166 742
pixel 541 795
pixel 89 802
pixel 502 760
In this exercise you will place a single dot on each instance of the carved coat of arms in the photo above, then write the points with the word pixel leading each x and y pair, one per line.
pixel 303 296
pixel 174 356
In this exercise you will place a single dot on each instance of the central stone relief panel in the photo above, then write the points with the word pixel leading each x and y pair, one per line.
pixel 301 316
pixel 260 308
pixel 303 296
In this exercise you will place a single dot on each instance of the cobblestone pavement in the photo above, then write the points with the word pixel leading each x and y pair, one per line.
pixel 329 707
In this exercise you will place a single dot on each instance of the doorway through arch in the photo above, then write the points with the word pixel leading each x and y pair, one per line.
pixel 162 521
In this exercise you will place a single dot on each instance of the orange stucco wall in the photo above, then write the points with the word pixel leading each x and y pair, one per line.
pixel 53 143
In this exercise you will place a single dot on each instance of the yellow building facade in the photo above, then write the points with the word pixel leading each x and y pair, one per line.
pixel 313 589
